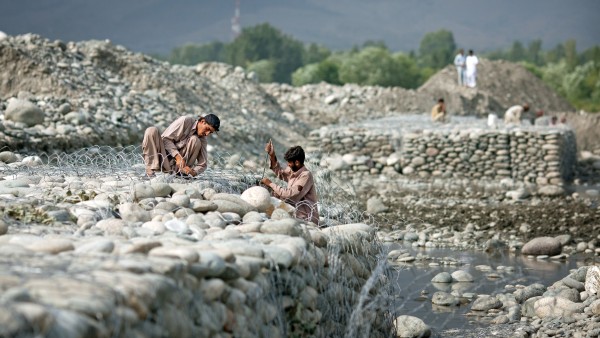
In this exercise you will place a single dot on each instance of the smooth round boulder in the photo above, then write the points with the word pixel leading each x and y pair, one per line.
pixel 24 111
pixel 409 326
pixel 259 197
pixel 542 246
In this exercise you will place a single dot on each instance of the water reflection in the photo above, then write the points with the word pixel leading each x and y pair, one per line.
pixel 491 274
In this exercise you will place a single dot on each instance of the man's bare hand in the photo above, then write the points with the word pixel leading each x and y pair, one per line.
pixel 179 162
pixel 269 148
pixel 265 181
pixel 189 171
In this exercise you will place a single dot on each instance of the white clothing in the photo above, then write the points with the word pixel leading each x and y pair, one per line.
pixel 471 70
pixel 513 114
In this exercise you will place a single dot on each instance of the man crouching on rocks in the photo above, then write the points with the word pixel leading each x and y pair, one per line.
pixel 300 191
pixel 182 146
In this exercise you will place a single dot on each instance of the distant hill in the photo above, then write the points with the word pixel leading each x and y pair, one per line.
pixel 160 25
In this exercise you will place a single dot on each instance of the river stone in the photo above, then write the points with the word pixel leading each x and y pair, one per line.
pixel 551 191
pixel 442 277
pixel 3 227
pixel 176 225
pixel 24 111
pixel 595 307
pixel 112 226
pixel 259 197
pixel 444 299
pixel 212 289
pixel 530 291
pixel 253 216
pixel 96 245
pixel 289 227
pixel 52 245
pixel 527 309
pixel 564 239
pixel 188 254
pixel 155 226
pixel 8 157
pixel 133 212
pixel 411 327
pixel 279 214
pixel 592 280
pixel 542 246
pixel 203 206
pixel 32 161
pixel 142 191
pixel 486 303
pixel 563 292
pixel 574 284
pixel 280 256
pixel 234 199
pixel 375 206
pixel 556 307
pixel 180 200
pixel 462 276
pixel 228 206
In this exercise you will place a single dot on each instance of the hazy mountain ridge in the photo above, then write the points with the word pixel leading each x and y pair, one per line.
pixel 158 26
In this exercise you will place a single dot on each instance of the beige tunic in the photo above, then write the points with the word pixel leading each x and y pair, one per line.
pixel 179 138
pixel 300 191
pixel 438 113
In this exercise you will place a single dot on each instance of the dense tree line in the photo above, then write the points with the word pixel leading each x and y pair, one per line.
pixel 277 57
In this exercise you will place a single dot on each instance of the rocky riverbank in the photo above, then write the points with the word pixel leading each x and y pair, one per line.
pixel 113 255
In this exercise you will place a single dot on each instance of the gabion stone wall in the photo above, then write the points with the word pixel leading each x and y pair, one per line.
pixel 540 155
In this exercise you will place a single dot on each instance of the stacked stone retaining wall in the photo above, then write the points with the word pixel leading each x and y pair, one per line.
pixel 540 155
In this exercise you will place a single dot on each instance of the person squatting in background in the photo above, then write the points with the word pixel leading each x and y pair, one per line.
pixel 438 112
pixel 513 114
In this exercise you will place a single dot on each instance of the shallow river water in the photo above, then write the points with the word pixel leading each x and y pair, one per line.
pixel 414 289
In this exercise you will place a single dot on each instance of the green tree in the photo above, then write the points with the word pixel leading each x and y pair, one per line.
pixel 582 85
pixel 556 54
pixel 192 54
pixel 264 69
pixel 516 52
pixel 553 75
pixel 571 53
pixel 264 42
pixel 534 50
pixel 437 49
pixel 409 75
pixel 315 53
pixel 305 75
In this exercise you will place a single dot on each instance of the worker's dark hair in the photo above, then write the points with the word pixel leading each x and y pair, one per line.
pixel 294 153
pixel 440 100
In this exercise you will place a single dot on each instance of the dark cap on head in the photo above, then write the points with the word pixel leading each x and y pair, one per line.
pixel 213 120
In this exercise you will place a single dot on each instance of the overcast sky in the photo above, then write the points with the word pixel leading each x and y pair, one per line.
pixel 159 25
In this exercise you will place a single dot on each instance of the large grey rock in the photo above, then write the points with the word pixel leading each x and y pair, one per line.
pixel 289 227
pixel 529 291
pixel 232 203
pixel 411 327
pixel 542 246
pixel 133 212
pixel 486 303
pixel 375 206
pixel 556 307
pixel 442 277
pixel 592 280
pixel 462 276
pixel 112 226
pixel 8 157
pixel 551 191
pixel 24 111
pixel 444 299
pixel 3 227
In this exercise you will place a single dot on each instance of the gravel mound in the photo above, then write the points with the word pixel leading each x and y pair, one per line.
pixel 97 93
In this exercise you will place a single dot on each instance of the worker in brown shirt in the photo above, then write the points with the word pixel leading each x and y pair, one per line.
pixel 300 191
pixel 182 146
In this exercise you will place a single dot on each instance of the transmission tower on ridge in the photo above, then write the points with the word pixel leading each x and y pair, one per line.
pixel 236 29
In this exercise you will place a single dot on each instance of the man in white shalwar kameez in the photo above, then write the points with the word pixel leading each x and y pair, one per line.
pixel 471 69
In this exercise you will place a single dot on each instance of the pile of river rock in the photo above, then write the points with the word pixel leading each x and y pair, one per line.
pixel 111 256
